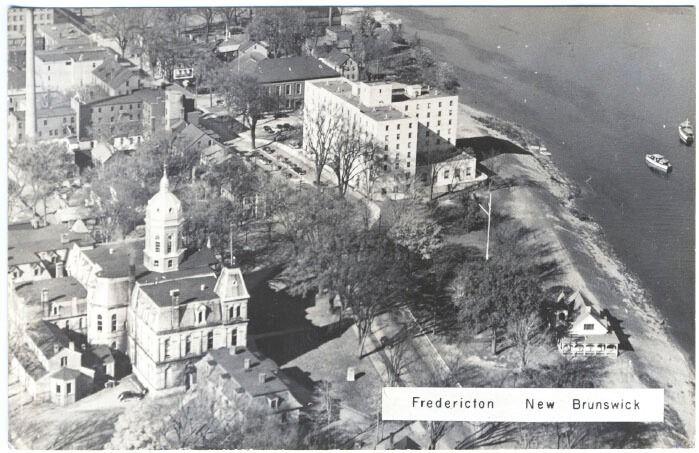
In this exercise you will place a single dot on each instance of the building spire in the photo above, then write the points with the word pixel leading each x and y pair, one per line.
pixel 164 182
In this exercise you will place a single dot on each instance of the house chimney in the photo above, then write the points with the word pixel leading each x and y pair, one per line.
pixel 44 296
pixel 246 364
pixel 71 345
pixel 202 287
pixel 64 238
pixel 111 251
pixel 56 348
pixel 132 273
pixel 175 299
pixel 262 378
pixel 59 269
pixel 83 346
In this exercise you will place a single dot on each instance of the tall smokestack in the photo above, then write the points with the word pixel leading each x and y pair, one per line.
pixel 330 16
pixel 30 119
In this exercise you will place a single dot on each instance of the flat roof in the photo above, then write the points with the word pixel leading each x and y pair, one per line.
pixel 190 290
pixel 343 90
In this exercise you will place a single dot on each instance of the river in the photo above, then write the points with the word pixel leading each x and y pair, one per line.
pixel 601 86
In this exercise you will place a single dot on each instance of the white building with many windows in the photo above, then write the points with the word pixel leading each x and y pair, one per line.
pixel 400 120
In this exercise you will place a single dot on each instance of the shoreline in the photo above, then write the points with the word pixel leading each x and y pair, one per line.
pixel 596 269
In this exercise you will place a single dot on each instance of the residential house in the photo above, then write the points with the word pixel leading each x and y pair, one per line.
pixel 585 330
pixel 342 63
pixel 192 138
pixel 446 171
pixel 229 375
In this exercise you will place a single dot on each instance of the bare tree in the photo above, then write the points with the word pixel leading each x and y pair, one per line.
pixel 354 151
pixel 525 333
pixel 397 356
pixel 42 166
pixel 230 15
pixel 121 25
pixel 321 130
pixel 208 14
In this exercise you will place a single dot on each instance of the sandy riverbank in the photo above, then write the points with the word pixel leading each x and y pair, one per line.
pixel 586 262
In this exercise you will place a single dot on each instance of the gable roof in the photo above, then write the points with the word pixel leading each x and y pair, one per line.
pixel 29 361
pixel 232 366
pixel 289 69
pixel 45 336
pixel 113 73
pixel 336 57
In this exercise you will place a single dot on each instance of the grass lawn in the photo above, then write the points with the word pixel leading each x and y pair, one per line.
pixel 329 362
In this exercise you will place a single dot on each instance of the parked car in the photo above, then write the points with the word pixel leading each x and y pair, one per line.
pixel 287 126
pixel 301 171
pixel 268 129
pixel 129 395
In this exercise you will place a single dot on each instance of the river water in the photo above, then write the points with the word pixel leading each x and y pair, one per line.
pixel 602 87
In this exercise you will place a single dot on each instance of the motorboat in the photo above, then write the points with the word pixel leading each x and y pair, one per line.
pixel 686 132
pixel 659 162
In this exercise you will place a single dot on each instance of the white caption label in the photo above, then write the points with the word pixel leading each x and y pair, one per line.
pixel 522 404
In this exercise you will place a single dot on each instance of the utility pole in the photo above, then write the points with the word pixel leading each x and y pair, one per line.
pixel 487 212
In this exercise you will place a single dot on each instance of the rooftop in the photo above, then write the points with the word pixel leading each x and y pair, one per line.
pixel 114 73
pixel 190 290
pixel 64 34
pixel 336 57
pixel 290 69
pixel 59 289
pixel 76 53
pixel 114 259
pixel 234 365
pixel 30 362
pixel 45 335
pixel 150 95
pixel 343 89
pixel 25 242
pixel 66 374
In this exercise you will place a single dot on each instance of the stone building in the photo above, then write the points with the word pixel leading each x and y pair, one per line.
pixel 161 303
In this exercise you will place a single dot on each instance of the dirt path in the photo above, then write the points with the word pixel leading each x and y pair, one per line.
pixel 587 263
